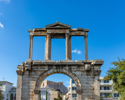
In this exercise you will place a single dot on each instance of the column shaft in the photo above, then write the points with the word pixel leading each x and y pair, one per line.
pixel 86 47
pixel 30 47
pixel 45 47
pixel 67 46
pixel 97 90
pixel 70 53
pixel 48 49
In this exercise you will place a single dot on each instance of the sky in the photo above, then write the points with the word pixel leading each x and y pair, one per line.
pixel 104 18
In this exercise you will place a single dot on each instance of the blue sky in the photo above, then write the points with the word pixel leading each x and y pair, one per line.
pixel 104 18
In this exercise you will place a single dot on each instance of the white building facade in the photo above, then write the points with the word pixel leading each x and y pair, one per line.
pixel 106 90
pixel 72 95
pixel 6 89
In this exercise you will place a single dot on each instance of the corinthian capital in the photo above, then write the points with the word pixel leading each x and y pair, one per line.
pixel 19 72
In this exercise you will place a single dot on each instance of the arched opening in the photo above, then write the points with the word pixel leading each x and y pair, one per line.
pixel 58 86
pixel 48 84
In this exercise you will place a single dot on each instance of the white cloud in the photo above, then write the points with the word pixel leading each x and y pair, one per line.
pixel 67 82
pixel 1 25
pixel 77 51
pixel 74 51
pixel 1 14
pixel 7 1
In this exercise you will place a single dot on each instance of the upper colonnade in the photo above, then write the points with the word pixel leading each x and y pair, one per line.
pixel 58 30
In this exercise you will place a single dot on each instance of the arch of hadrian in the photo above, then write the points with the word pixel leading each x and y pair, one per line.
pixel 85 73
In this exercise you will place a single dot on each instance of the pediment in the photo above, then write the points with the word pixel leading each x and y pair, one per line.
pixel 58 25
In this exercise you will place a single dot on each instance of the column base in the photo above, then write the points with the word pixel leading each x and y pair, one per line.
pixel 29 60
pixel 64 60
pixel 52 61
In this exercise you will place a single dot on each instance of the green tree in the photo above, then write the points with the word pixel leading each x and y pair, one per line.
pixel 117 74
pixel 1 95
pixel 101 98
pixel 109 96
pixel 59 96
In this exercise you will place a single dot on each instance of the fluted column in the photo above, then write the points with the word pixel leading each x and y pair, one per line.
pixel 86 47
pixel 48 47
pixel 67 46
pixel 30 47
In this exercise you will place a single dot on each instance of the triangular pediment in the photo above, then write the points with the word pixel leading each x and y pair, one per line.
pixel 57 25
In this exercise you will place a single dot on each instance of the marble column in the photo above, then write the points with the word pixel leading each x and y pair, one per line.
pixel 45 47
pixel 70 53
pixel 67 46
pixel 30 47
pixel 86 47
pixel 48 47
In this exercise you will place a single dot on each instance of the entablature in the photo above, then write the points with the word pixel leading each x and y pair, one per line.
pixel 67 63
pixel 58 28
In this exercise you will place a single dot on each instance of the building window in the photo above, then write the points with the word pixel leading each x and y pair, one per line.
pixel 106 88
pixel 15 97
pixel 116 95
pixel 106 94
pixel 100 88
pixel 73 81
pixel 100 81
pixel 7 97
pixel 107 81
pixel 74 95
pixel 73 88
pixel 11 96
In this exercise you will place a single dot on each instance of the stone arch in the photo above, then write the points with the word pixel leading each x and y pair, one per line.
pixel 47 73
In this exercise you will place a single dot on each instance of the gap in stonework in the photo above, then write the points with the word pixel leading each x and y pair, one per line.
pixel 78 48
pixel 58 49
pixel 38 48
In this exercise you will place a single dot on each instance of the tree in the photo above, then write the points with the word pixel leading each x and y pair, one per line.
pixel 101 98
pixel 117 74
pixel 109 96
pixel 1 95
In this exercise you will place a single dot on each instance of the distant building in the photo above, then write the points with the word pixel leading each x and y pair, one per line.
pixel 8 90
pixel 72 95
pixel 58 86
pixel 48 94
pixel 13 93
pixel 106 90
